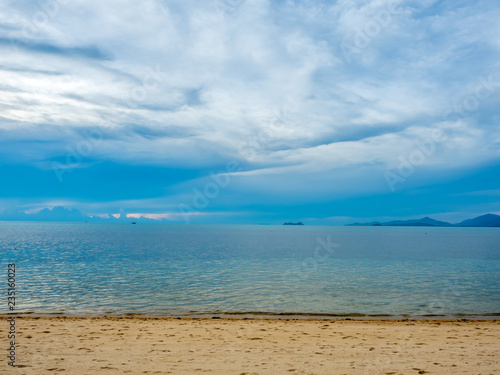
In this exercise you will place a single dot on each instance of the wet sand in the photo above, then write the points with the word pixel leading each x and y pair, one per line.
pixel 139 345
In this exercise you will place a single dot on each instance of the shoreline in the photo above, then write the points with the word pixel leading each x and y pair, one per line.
pixel 381 320
pixel 215 318
pixel 257 315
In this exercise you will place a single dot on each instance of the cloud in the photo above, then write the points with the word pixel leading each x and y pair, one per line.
pixel 91 52
pixel 311 97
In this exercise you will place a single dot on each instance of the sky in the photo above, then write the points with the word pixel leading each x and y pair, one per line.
pixel 251 111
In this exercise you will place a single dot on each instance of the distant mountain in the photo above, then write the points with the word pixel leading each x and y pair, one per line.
pixel 488 220
pixel 424 222
pixel 299 223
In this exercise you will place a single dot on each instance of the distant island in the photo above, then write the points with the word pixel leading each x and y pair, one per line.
pixel 488 220
pixel 299 223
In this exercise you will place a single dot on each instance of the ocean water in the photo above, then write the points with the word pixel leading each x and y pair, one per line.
pixel 174 269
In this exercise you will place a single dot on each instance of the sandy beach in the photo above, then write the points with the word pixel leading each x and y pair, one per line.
pixel 138 345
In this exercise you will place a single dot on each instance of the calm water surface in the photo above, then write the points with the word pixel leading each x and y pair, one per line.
pixel 86 268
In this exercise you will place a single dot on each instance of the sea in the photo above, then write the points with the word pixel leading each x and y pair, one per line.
pixel 101 269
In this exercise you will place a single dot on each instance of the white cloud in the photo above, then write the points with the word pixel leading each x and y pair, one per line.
pixel 223 75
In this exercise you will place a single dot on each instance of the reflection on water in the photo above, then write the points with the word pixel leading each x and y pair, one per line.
pixel 83 268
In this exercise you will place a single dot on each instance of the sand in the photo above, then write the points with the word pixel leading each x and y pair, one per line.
pixel 135 345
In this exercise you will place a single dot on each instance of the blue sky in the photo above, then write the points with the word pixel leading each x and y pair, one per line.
pixel 255 111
